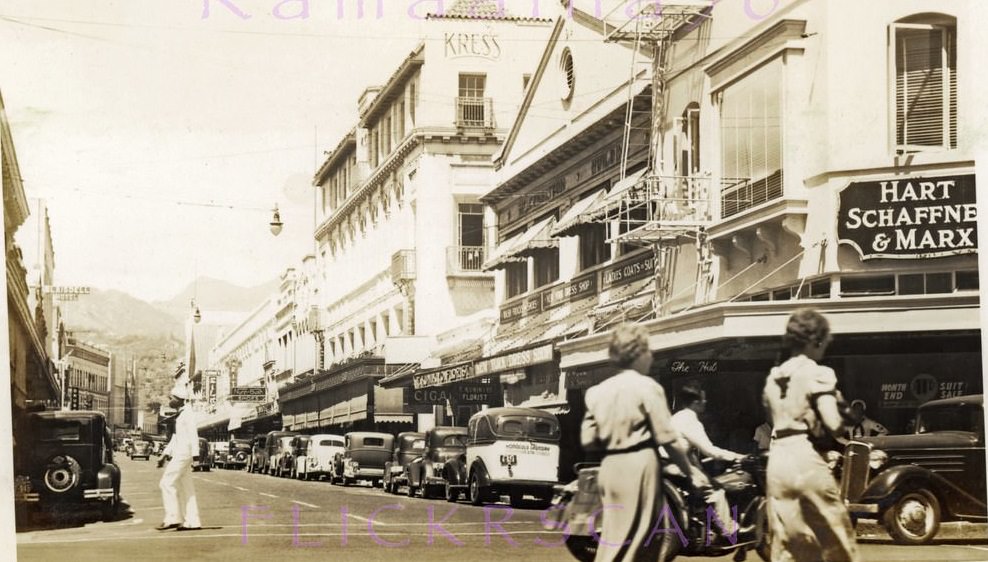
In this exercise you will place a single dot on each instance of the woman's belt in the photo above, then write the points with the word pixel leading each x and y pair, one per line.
pixel 647 444
pixel 786 432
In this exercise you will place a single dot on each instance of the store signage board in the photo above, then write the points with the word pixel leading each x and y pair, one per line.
pixel 909 217
pixel 248 394
pixel 443 376
pixel 515 360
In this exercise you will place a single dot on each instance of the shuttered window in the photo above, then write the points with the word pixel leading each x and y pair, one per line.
pixel 925 86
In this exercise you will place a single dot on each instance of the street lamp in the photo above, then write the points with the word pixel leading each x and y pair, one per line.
pixel 276 223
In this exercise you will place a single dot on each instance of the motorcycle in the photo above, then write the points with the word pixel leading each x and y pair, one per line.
pixel 693 530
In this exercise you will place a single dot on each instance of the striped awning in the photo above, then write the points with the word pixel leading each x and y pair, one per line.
pixel 574 217
pixel 520 247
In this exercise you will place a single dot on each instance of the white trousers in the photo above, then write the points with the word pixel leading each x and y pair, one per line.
pixel 178 494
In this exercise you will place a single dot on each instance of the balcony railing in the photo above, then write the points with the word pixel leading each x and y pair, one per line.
pixel 465 259
pixel 475 112
pixel 749 194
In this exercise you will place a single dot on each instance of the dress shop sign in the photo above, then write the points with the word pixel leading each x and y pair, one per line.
pixel 910 217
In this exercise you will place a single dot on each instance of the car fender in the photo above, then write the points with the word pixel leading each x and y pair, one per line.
pixel 889 481
pixel 675 497
pixel 455 470
pixel 483 476
pixel 108 477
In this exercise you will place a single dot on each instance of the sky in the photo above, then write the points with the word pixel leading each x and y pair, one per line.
pixel 161 138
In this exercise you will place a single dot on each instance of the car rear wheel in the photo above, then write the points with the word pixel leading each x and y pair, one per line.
pixel 477 492
pixel 111 507
pixel 914 518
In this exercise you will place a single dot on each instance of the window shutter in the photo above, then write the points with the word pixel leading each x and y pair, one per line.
pixel 925 88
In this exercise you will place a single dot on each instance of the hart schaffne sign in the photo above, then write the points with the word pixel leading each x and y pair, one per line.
pixel 910 217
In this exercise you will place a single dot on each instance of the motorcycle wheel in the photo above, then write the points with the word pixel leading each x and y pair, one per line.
pixel 583 549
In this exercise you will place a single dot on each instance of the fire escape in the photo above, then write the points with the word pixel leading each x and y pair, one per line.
pixel 651 208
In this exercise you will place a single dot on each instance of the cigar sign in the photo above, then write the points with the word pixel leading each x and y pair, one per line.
pixel 909 217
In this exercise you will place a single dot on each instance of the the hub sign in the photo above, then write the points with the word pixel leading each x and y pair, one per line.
pixel 909 217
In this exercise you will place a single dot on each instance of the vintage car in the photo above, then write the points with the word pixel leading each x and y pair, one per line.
pixel 221 453
pixel 408 445
pixel 238 453
pixel 141 449
pixel 510 451
pixel 258 454
pixel 316 460
pixel 364 457
pixel 280 454
pixel 913 482
pixel 204 461
pixel 298 449
pixel 427 472
pixel 66 457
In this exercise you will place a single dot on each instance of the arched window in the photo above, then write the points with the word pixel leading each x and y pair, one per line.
pixel 923 53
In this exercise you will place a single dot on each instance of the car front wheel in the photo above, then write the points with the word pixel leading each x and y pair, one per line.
pixel 914 518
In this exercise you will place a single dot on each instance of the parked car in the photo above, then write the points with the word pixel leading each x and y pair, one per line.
pixel 280 453
pixel 427 472
pixel 221 453
pixel 205 459
pixel 510 451
pixel 66 457
pixel 258 454
pixel 239 453
pixel 317 459
pixel 408 445
pixel 914 482
pixel 141 449
pixel 298 448
pixel 364 456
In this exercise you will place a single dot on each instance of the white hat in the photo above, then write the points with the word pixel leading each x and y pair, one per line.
pixel 180 391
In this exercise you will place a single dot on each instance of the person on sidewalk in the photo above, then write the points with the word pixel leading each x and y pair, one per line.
pixel 807 517
pixel 628 419
pixel 178 493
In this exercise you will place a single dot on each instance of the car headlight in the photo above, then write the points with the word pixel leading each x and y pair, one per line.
pixel 877 459
pixel 354 465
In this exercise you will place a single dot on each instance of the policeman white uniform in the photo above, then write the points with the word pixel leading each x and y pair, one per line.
pixel 178 494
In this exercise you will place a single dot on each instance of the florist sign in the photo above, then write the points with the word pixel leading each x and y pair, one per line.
pixel 909 218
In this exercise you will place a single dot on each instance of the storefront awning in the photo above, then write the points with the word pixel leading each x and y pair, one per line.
pixel 394 418
pixel 606 209
pixel 574 217
pixel 882 315
pixel 520 247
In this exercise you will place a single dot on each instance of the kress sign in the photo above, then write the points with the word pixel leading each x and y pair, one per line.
pixel 909 218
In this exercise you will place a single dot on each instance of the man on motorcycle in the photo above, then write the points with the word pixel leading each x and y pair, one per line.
pixel 687 422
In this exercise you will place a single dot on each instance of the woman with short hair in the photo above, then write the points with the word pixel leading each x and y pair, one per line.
pixel 807 518
pixel 628 419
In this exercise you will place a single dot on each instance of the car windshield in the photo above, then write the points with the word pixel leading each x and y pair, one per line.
pixel 528 426
pixel 417 445
pixel 62 430
pixel 455 441
pixel 949 418
pixel 373 442
pixel 330 443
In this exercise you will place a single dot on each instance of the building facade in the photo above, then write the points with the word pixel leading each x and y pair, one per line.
pixel 400 235
pixel 87 377
pixel 32 373
pixel 769 186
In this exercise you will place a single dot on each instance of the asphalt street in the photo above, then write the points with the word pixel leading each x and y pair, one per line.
pixel 248 516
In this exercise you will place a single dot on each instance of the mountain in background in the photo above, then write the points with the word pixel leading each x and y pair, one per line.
pixel 153 334
pixel 111 315
pixel 216 294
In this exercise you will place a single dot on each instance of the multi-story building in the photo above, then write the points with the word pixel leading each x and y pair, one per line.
pixel 123 391
pixel 32 374
pixel 400 235
pixel 34 239
pixel 787 171
pixel 242 357
pixel 87 376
